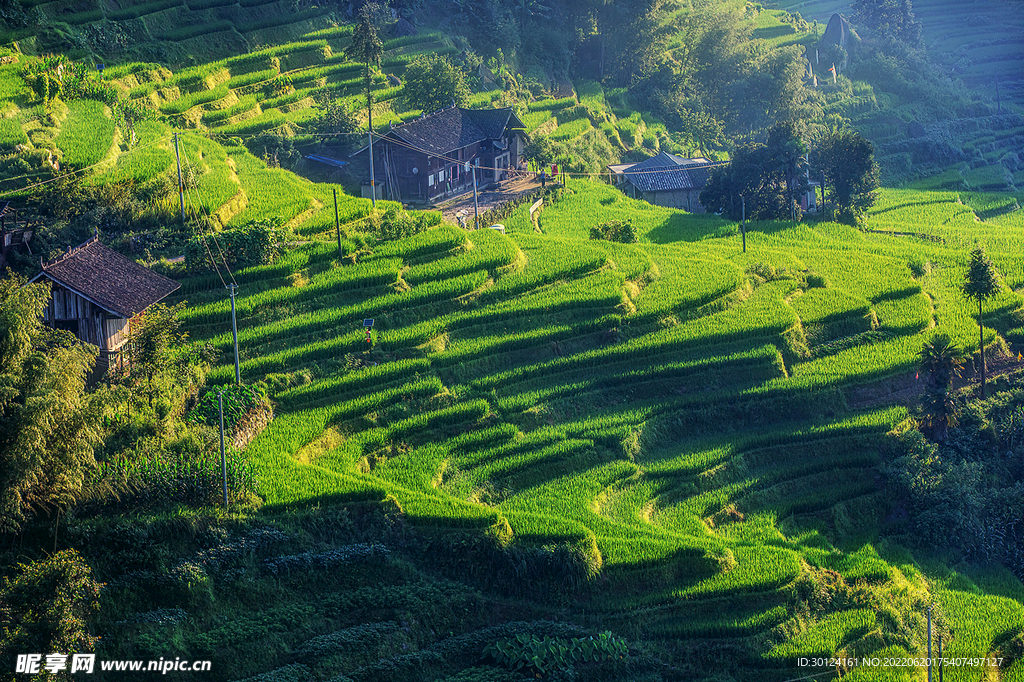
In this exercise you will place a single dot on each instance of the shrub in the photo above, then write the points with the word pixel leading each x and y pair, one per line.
pixel 396 223
pixel 615 231
pixel 238 400
pixel 258 242
pixel 46 606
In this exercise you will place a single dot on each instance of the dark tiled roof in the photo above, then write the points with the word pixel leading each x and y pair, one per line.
pixel 668 178
pixel 660 160
pixel 453 128
pixel 108 279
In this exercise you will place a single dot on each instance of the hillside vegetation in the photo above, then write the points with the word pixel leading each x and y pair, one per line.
pixel 673 415
pixel 682 445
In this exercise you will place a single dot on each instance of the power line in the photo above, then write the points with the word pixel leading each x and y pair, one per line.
pixel 192 206
pixel 80 170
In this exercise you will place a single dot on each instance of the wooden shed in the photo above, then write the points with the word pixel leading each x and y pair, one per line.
pixel 96 292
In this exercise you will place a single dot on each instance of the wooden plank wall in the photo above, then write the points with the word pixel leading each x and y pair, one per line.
pixel 94 325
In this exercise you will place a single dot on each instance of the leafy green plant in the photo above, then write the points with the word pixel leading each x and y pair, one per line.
pixel 238 400
pixel 621 231
pixel 258 242
pixel 47 606
pixel 547 655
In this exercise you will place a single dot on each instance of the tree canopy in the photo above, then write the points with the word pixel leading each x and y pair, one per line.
pixel 48 423
pixel 890 18
pixel 366 48
pixel 432 82
pixel 765 179
pixel 851 173
pixel 981 283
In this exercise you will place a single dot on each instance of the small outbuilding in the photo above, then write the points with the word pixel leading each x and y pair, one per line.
pixel 95 292
pixel 665 180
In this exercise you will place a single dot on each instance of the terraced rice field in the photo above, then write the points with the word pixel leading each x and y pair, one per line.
pixel 651 405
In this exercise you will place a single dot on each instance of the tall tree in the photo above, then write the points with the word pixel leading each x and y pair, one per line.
pixel 761 179
pixel 890 18
pixel 432 82
pixel 787 159
pixel 942 360
pixel 851 173
pixel 48 423
pixel 367 48
pixel 982 283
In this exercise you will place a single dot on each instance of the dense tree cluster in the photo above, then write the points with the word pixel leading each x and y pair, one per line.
pixel 762 181
pixel 48 422
pixel 889 18
pixel 851 174
pixel 432 82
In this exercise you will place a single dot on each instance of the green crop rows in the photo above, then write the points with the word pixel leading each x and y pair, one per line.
pixel 649 400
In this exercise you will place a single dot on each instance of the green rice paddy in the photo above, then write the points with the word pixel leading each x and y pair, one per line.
pixel 651 400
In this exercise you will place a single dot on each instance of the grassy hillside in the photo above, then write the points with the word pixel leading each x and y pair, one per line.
pixel 966 123
pixel 676 414
pixel 550 436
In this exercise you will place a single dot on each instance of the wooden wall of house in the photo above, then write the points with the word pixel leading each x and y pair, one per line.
pixel 116 332
pixel 686 199
pixel 68 310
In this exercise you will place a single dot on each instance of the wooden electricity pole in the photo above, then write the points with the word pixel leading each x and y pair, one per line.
pixel 337 223
pixel 181 185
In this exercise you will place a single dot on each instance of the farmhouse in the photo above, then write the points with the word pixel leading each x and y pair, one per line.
pixel 426 159
pixel 95 292
pixel 665 180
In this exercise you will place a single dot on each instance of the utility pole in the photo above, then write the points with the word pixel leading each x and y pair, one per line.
pixel 476 204
pixel 373 186
pixel 223 458
pixel 823 204
pixel 929 644
pixel 181 185
pixel 743 225
pixel 337 224
pixel 234 331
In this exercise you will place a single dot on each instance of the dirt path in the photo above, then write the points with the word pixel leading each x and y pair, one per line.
pixel 488 199
pixel 906 389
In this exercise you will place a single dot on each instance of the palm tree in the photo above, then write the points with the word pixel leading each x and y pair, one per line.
pixel 942 361
pixel 939 411
pixel 982 282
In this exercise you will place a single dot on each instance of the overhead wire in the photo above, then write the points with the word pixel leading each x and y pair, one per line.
pixel 208 215
pixel 192 204
pixel 76 172
pixel 206 245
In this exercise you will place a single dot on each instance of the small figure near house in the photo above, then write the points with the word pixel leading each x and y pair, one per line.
pixel 543 178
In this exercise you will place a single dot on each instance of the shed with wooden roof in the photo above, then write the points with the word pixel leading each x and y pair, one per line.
pixel 95 292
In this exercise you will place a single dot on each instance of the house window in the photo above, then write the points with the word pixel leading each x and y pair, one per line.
pixel 430 180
